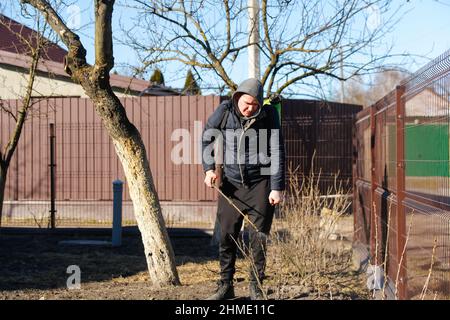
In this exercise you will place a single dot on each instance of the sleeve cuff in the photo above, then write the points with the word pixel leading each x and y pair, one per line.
pixel 208 167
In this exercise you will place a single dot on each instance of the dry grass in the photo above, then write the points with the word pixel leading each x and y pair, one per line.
pixel 301 252
pixel 302 261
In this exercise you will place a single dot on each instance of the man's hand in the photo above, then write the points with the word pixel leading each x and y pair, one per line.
pixel 275 197
pixel 210 178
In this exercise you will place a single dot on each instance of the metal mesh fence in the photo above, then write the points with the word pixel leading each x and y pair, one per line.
pixel 402 179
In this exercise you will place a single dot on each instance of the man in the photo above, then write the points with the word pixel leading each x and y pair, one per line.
pixel 254 181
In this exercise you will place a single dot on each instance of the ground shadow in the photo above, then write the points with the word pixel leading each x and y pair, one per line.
pixel 33 259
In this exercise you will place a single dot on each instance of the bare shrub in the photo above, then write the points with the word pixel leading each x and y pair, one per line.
pixel 302 260
pixel 300 243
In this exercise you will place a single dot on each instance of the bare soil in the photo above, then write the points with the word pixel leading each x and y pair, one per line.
pixel 34 267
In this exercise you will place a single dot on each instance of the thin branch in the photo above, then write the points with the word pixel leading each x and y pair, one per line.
pixel 213 42
pixel 226 52
pixel 186 62
pixel 204 42
pixel 267 39
pixel 7 111
pixel 22 113
pixel 76 59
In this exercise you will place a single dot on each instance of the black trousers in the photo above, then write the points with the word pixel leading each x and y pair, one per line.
pixel 252 201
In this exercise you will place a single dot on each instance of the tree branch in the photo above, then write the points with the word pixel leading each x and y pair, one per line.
pixel 104 59
pixel 192 63
pixel 228 28
pixel 204 43
pixel 216 40
pixel 22 113
pixel 293 80
pixel 76 58
pixel 8 111
pixel 267 39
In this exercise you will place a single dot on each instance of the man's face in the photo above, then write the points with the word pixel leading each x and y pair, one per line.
pixel 248 105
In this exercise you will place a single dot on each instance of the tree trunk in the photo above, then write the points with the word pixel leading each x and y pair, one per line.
pixel 126 138
pixel 147 209
pixel 3 172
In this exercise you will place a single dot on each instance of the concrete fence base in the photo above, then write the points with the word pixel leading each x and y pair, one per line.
pixel 98 213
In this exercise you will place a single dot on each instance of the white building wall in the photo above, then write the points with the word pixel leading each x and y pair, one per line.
pixel 13 84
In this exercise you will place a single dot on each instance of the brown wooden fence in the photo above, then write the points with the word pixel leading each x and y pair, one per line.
pixel 402 184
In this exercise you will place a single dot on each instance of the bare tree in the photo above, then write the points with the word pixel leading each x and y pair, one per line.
pixel 33 47
pixel 301 41
pixel 357 91
pixel 126 138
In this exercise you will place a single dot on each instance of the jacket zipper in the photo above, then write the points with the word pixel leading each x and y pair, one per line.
pixel 239 149
pixel 239 153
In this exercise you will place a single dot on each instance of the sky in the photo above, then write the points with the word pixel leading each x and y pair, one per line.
pixel 423 32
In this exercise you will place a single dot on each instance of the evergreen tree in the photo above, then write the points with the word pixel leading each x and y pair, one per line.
pixel 190 85
pixel 157 78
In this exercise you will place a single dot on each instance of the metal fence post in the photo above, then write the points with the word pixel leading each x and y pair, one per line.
pixel 401 216
pixel 354 175
pixel 375 279
pixel 52 166
pixel 117 213
pixel 373 213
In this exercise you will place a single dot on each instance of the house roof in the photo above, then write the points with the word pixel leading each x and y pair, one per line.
pixel 10 40
pixel 160 90
pixel 57 69
pixel 14 53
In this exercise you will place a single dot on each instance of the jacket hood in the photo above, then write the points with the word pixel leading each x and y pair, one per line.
pixel 252 87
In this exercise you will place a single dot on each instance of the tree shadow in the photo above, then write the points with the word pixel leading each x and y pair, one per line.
pixel 34 260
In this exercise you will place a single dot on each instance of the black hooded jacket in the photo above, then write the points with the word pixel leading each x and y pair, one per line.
pixel 236 133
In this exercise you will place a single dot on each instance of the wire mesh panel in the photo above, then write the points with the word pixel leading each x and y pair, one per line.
pixel 427 190
pixel 409 235
pixel 318 139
